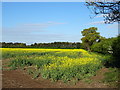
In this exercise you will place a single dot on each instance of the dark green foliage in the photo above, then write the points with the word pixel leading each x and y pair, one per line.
pixel 54 45
pixel 22 62
pixel 104 46
pixel 16 53
pixel 12 45
pixel 116 52
pixel 67 74
pixel 109 46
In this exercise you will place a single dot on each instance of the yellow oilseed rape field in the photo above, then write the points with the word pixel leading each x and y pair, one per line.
pixel 54 64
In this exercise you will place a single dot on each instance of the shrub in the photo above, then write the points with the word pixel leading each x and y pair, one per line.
pixel 116 51
pixel 104 47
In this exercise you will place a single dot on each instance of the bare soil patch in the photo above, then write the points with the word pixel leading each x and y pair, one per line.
pixel 20 79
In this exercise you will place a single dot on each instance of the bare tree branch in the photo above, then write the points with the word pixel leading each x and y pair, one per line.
pixel 111 10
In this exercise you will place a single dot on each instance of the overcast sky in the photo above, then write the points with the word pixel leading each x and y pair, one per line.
pixel 31 22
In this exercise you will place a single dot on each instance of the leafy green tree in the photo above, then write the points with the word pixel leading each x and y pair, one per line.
pixel 90 36
pixel 101 39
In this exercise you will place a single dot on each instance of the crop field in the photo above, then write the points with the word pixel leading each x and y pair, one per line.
pixel 55 64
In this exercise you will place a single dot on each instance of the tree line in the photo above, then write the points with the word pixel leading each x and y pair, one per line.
pixel 54 45
pixel 94 42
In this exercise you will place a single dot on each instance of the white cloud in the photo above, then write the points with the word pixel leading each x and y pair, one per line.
pixel 43 0
pixel 54 23
pixel 30 28
pixel 98 16
pixel 98 22
pixel 49 23
pixel 36 32
pixel 113 26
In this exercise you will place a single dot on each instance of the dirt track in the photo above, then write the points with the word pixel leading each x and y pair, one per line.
pixel 20 79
